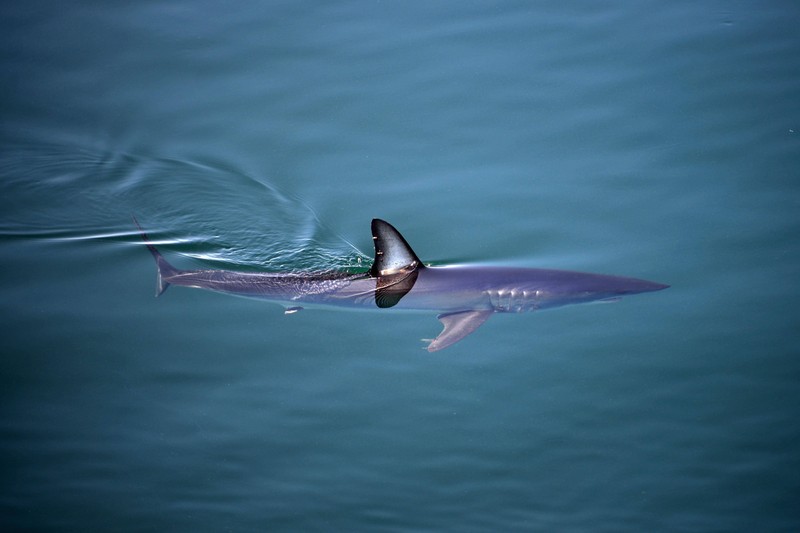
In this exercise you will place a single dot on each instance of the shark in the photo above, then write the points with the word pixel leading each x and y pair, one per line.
pixel 463 297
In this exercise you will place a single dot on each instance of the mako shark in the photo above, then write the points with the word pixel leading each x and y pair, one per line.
pixel 463 296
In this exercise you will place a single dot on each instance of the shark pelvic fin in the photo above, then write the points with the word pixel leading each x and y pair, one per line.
pixel 393 255
pixel 457 326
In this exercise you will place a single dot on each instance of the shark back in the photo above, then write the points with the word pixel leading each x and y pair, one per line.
pixel 465 297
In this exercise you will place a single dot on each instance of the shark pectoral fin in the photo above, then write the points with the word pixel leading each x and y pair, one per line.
pixel 457 326
pixel 292 310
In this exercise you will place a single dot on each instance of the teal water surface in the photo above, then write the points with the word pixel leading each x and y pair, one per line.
pixel 649 139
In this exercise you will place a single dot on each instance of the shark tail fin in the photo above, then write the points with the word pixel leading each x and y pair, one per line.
pixel 164 269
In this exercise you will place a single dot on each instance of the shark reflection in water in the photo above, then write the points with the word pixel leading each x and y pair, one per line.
pixel 463 296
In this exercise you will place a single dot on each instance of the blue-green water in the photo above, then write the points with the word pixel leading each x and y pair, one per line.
pixel 647 139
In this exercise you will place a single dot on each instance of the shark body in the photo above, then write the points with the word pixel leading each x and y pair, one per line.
pixel 464 297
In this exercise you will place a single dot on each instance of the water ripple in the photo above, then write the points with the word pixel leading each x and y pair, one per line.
pixel 208 210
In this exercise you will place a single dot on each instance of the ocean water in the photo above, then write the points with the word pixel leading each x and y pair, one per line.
pixel 646 139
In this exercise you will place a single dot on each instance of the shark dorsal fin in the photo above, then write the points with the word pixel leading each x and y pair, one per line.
pixel 393 255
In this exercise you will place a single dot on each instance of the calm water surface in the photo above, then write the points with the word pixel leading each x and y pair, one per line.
pixel 652 140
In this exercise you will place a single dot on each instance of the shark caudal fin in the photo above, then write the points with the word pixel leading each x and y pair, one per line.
pixel 164 268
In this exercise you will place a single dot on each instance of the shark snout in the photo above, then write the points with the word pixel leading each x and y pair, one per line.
pixel 635 286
